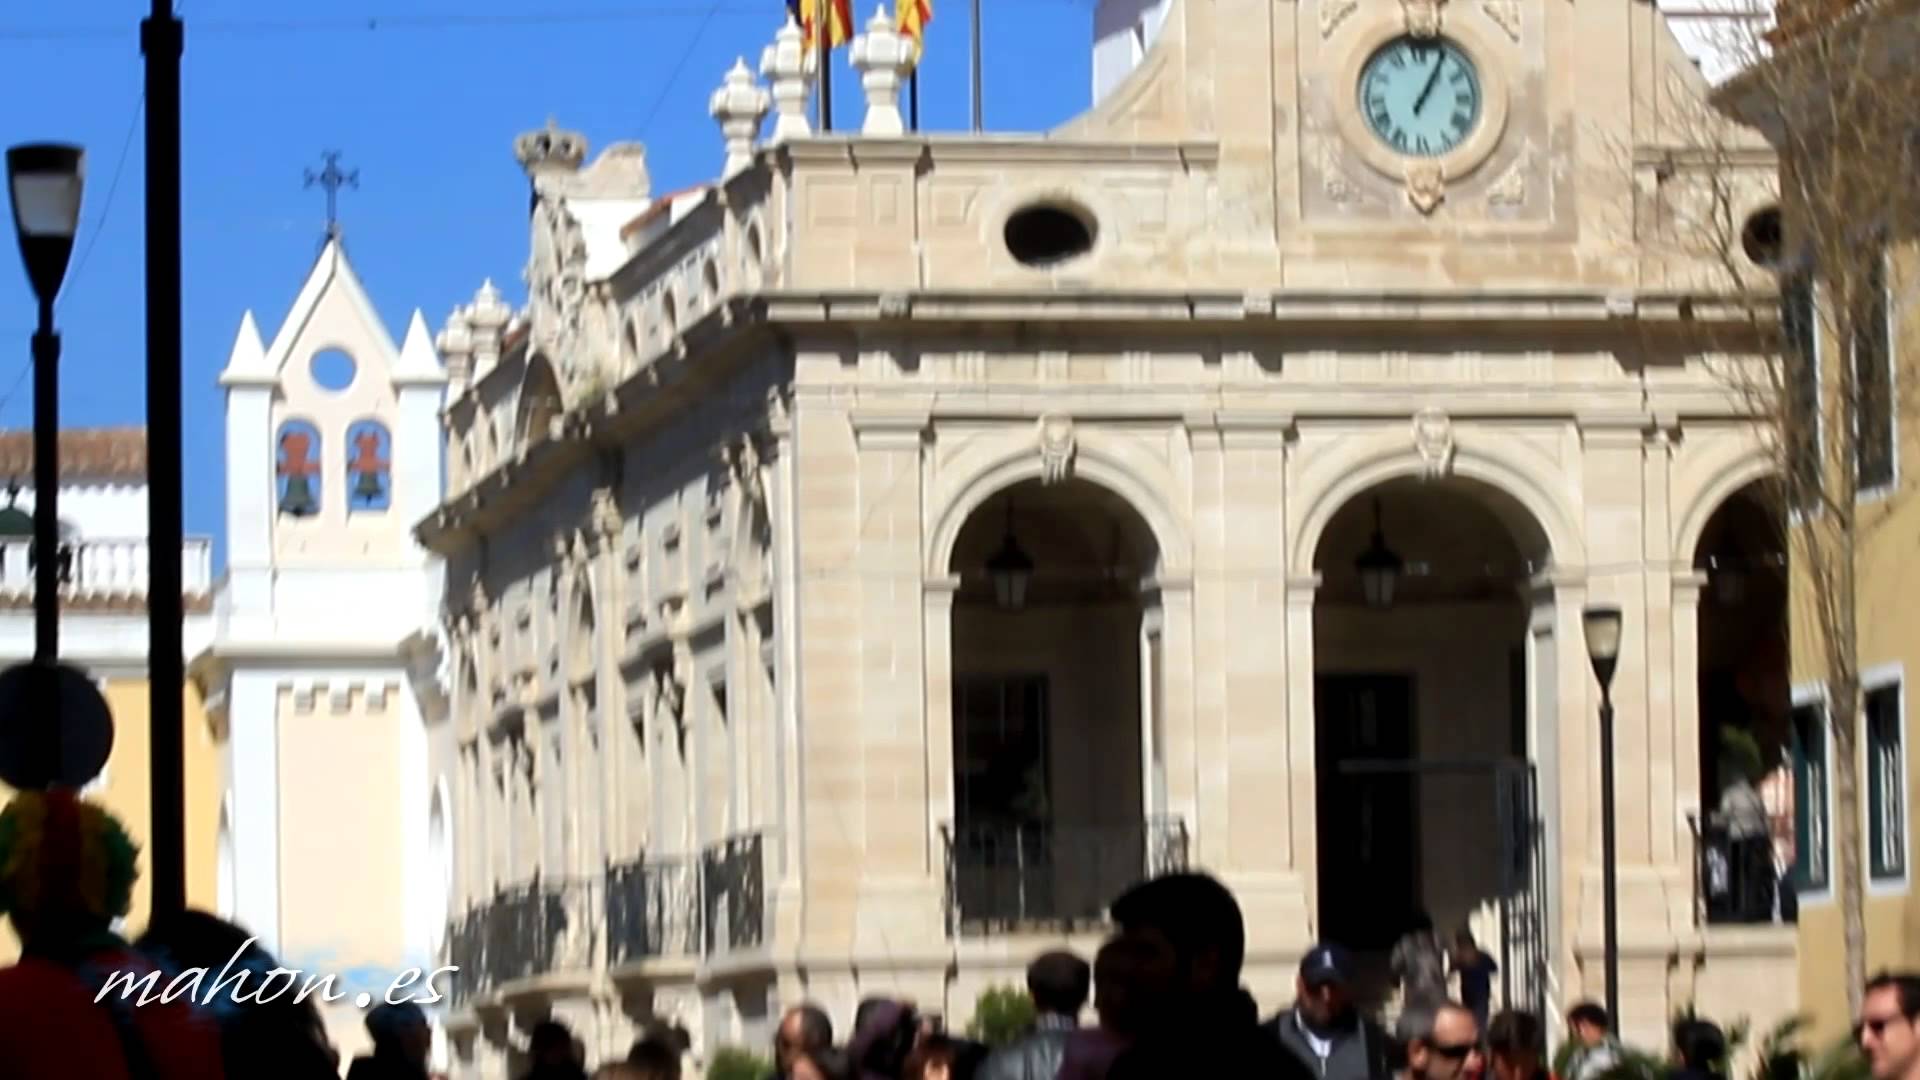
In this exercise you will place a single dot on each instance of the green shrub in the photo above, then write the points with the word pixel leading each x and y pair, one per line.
pixel 733 1063
pixel 1001 1015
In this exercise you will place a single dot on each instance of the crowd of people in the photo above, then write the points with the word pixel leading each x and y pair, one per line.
pixel 1165 990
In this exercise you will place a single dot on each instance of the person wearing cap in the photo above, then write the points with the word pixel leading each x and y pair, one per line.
pixel 402 1041
pixel 1324 1029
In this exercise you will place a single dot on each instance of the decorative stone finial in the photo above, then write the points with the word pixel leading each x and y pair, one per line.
pixel 788 66
pixel 455 342
pixel 550 150
pixel 882 55
pixel 740 104
pixel 488 313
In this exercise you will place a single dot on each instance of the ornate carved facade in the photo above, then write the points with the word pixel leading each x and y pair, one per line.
pixel 893 440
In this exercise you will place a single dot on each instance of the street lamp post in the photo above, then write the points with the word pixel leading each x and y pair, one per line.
pixel 46 181
pixel 1602 624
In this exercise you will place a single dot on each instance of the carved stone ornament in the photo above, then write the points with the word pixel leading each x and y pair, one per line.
pixel 1511 187
pixel 1333 174
pixel 1433 439
pixel 1426 185
pixel 1333 13
pixel 1056 448
pixel 605 516
pixel 743 460
pixel 556 277
pixel 1423 17
pixel 1506 13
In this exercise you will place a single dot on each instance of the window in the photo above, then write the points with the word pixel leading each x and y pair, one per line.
pixel 299 469
pixel 1800 360
pixel 1873 450
pixel 1809 749
pixel 1886 784
pixel 369 467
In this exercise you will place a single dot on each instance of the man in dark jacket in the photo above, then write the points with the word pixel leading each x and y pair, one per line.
pixel 1197 1020
pixel 1323 1029
pixel 1058 982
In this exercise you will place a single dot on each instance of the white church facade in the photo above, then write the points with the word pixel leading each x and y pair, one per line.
pixel 322 677
pixel 851 573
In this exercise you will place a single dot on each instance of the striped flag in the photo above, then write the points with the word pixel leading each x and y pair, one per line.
pixel 839 19
pixel 911 18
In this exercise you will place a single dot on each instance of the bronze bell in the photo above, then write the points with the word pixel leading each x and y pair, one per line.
pixel 297 499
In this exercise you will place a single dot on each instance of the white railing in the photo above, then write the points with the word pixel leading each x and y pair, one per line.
pixel 98 569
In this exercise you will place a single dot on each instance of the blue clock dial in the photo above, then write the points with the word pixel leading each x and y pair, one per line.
pixel 1421 96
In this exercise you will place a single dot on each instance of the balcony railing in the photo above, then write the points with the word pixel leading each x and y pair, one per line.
pixel 1010 876
pixel 733 894
pixel 1736 882
pixel 525 931
pixel 650 908
pixel 96 569
pixel 653 910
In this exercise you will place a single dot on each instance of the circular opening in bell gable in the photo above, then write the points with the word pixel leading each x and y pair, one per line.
pixel 1763 237
pixel 1048 234
pixel 332 369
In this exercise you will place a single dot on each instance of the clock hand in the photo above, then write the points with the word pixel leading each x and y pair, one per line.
pixel 1432 81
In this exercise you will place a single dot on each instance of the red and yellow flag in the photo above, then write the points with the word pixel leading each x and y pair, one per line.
pixel 839 19
pixel 911 17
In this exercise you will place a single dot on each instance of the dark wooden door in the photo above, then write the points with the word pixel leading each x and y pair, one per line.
pixel 1369 834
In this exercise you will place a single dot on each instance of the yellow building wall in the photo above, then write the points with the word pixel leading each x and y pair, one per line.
pixel 127 795
pixel 1889 588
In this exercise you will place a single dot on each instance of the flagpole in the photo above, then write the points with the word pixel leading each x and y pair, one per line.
pixel 913 99
pixel 824 39
pixel 978 123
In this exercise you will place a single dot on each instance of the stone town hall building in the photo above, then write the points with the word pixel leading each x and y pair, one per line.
pixel 861 567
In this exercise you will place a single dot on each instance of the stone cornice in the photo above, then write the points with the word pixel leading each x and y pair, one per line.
pixel 743 323
pixel 1000 149
pixel 1127 307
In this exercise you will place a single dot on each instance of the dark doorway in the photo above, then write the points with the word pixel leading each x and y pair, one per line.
pixel 1369 833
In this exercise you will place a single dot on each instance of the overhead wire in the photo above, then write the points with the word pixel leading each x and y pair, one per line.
pixel 679 68
pixel 376 23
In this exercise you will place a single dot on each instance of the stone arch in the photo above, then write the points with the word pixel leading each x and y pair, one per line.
pixel 1092 464
pixel 1731 478
pixel 1512 478
pixel 541 403
pixel 440 864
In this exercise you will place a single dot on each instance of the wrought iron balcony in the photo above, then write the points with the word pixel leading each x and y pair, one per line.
pixel 1014 876
pixel 1736 882
pixel 525 931
pixel 733 894
pixel 653 909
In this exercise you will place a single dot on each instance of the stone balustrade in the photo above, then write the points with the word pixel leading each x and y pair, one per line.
pixel 102 571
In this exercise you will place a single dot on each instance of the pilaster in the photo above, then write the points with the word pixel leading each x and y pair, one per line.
pixel 900 880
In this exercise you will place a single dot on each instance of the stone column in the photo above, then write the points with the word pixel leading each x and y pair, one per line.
pixel 1300 835
pixel 739 105
pixel 1686 718
pixel 882 56
pixel 788 66
pixel 937 618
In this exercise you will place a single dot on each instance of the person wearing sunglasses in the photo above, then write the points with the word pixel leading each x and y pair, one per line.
pixel 1889 1031
pixel 1442 1041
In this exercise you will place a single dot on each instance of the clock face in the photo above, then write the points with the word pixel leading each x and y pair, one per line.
pixel 1420 96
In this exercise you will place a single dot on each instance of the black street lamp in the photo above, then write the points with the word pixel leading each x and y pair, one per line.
pixel 45 181
pixel 1602 624
pixel 1011 568
pixel 1379 567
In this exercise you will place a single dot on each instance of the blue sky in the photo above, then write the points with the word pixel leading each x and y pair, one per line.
pixel 426 111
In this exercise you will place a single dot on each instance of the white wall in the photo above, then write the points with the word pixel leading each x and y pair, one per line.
pixel 1122 32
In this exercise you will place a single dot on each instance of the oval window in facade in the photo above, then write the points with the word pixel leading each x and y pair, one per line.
pixel 1048 234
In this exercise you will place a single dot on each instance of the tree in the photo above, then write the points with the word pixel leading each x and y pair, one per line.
pixel 1803 252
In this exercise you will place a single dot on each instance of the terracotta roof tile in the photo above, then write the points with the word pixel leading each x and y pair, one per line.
pixel 117 454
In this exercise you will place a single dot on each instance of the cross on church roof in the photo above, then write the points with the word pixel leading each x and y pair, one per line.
pixel 333 179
